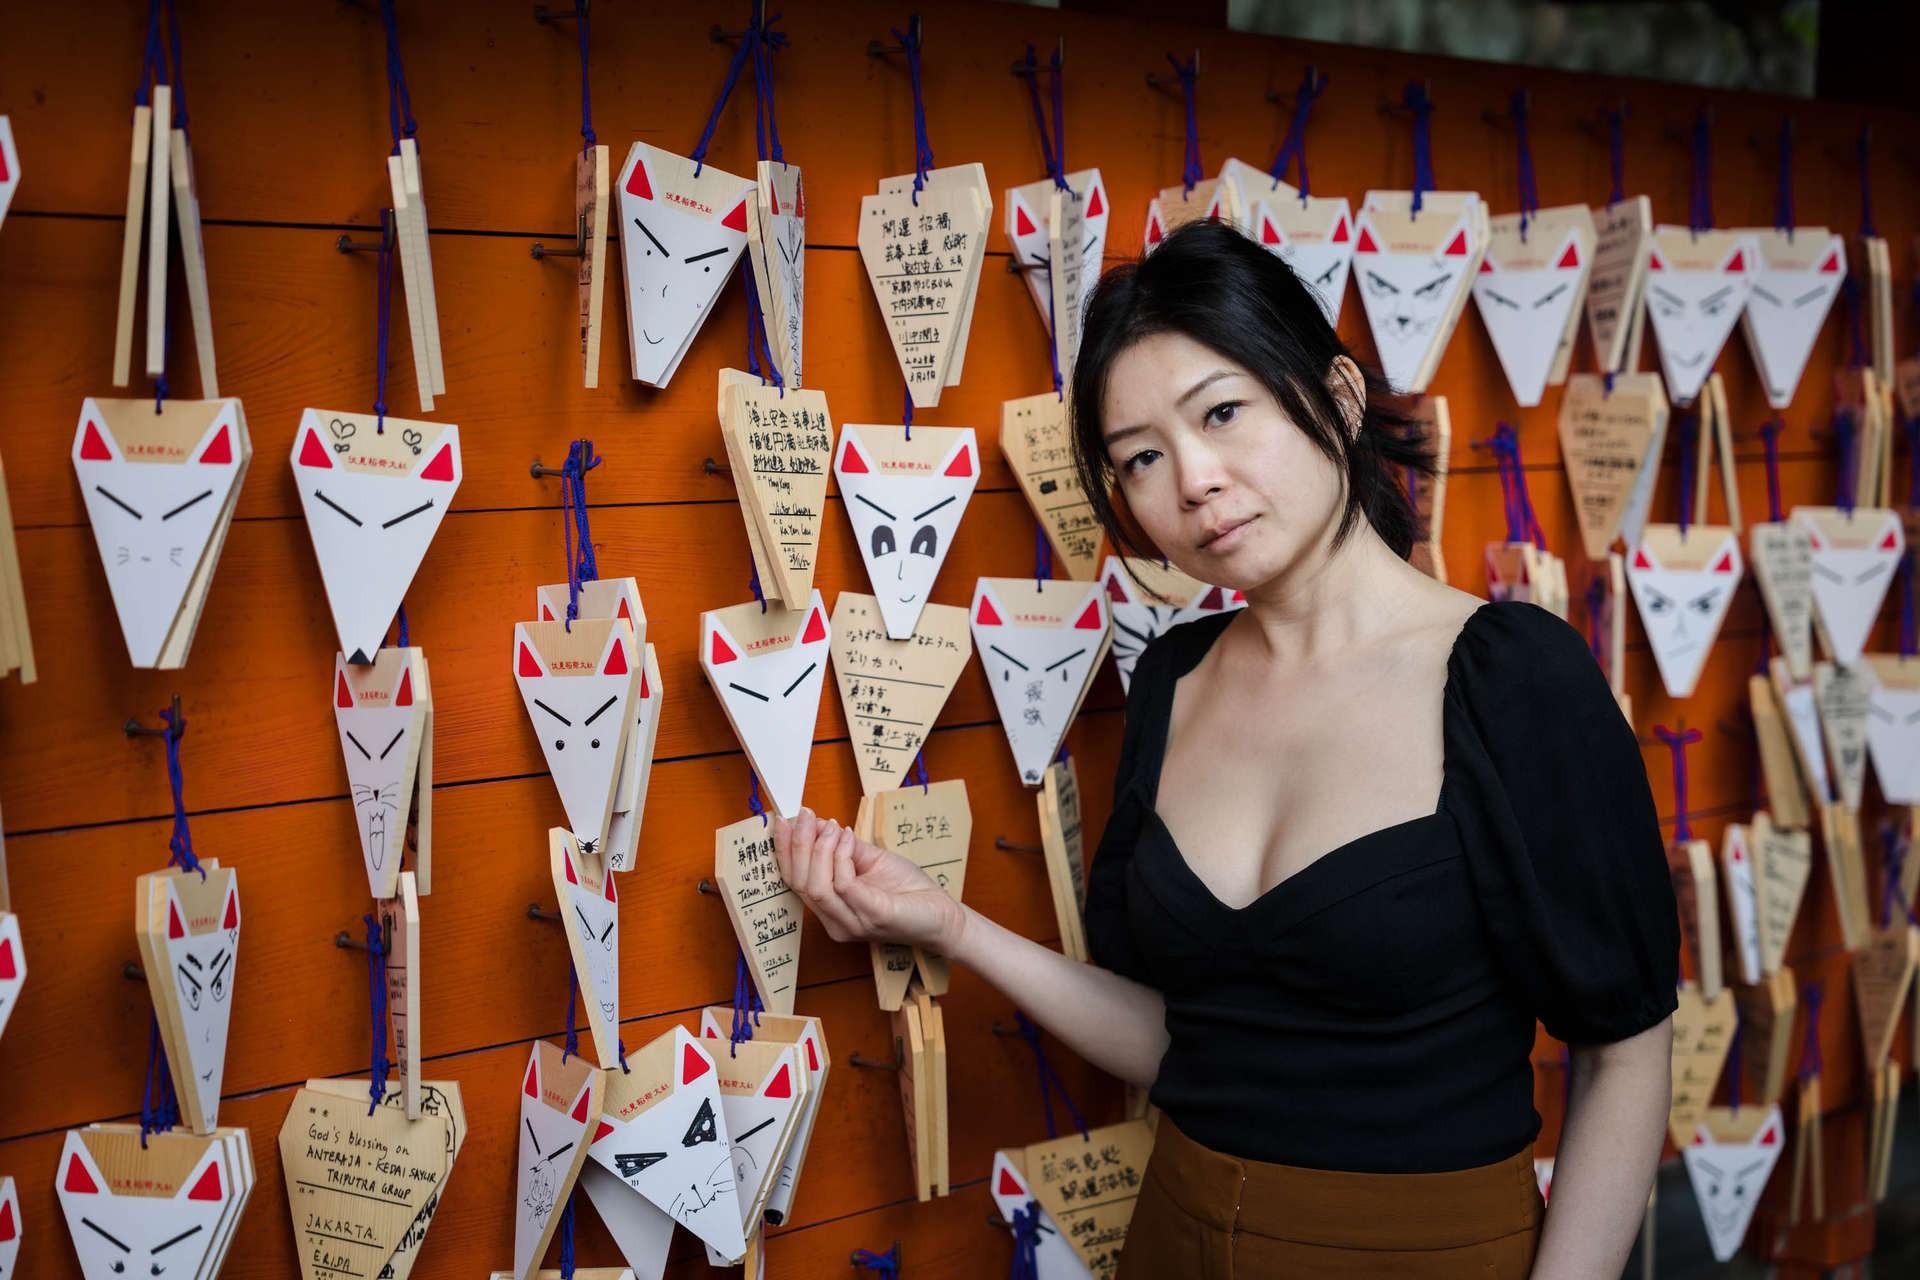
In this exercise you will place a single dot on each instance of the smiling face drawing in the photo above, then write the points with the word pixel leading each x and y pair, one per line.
pixel 1854 558
pixel 374 711
pixel 1682 588
pixel 155 501
pixel 1526 310
pixel 119 1235
pixel 201 958
pixel 1408 296
pixel 680 236
pixel 373 501
pixel 1793 290
pixel 1696 290
pixel 905 497
pixel 577 686
pixel 1728 1177
pixel 768 669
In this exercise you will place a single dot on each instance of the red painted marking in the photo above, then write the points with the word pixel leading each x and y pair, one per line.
pixel 1571 258
pixel 313 453
pixel 1095 205
pixel 441 468
pixel 1457 247
pixel 92 447
pixel 1212 600
pixel 532 1086
pixel 8 969
pixel 985 615
pixel 1116 592
pixel 208 1187
pixel 816 629
pixel 579 1112
pixel 1739 260
pixel 1340 230
pixel 781 1085
pixel 720 651
pixel 616 660
pixel 1008 1185
pixel 175 929
pixel 231 920
pixel 403 696
pixel 851 461
pixel 1832 265
pixel 962 464
pixel 1889 543
pixel 219 452
pixel 529 665
pixel 693 1063
pixel 1022 225
pixel 637 184
pixel 1640 560
pixel 571 877
pixel 602 1131
pixel 1269 234
pixel 1725 563
pixel 1366 244
pixel 78 1179
pixel 1090 619
pixel 7 1230
pixel 342 696
pixel 737 220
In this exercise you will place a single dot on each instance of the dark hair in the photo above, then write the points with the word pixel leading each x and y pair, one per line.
pixel 1215 285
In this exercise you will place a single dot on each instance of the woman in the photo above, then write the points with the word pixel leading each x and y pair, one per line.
pixel 1365 832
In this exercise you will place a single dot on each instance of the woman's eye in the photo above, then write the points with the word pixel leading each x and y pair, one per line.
pixel 1139 460
pixel 1223 412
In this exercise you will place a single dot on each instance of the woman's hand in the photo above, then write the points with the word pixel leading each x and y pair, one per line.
pixel 861 891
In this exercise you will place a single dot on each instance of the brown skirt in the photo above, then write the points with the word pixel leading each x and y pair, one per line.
pixel 1206 1216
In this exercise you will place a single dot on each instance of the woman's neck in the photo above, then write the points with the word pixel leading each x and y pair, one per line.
pixel 1334 599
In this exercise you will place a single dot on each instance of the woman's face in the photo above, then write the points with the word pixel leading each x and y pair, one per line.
pixel 1229 489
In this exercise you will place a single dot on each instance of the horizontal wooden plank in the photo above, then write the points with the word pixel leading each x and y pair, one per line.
pixel 492 974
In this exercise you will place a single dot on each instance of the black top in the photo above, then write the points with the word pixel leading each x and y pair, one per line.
pixel 1375 1011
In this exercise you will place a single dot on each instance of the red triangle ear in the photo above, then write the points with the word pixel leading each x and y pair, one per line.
pixel 1457 247
pixel 579 1112
pixel 1832 265
pixel 92 447
pixel 441 468
pixel 737 220
pixel 342 696
pixel 644 694
pixel 962 464
pixel 1022 224
pixel 531 1086
pixel 1008 1186
pixel 616 663
pixel 7 1230
pixel 208 1187
pixel 720 651
pixel 1640 560
pixel 813 1055
pixel 1154 233
pixel 1725 563
pixel 602 1132
pixel 781 1086
pixel 1654 263
pixel 529 665
pixel 623 611
pixel 607 890
pixel 231 920
pixel 1486 266
pixel 1769 1136
pixel 693 1063
pixel 1090 619
pixel 1571 258
pixel 571 877
pixel 851 460
pixel 986 615
pixel 546 614
pixel 1212 600
pixel 816 629
pixel 219 450
pixel 78 1180
pixel 1095 205
pixel 1116 592
pixel 313 453
pixel 175 929
pixel 1738 262
pixel 403 696
pixel 8 971
pixel 637 184
pixel 1888 543
pixel 1340 231
pixel 1366 244
pixel 1269 234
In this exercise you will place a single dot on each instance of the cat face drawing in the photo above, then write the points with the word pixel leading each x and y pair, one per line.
pixel 578 686
pixel 13 966
pixel 1146 599
pixel 155 499
pixel 1039 649
pixel 768 670
pixel 380 730
pixel 1525 309
pixel 1854 557
pixel 1728 1177
pixel 1682 587
pixel 121 1234
pixel 1696 290
pixel 1793 290
pixel 905 497
pixel 1408 296
pixel 202 962
pixel 680 236
pixel 559 1105
pixel 590 909
pixel 1322 261
pixel 372 505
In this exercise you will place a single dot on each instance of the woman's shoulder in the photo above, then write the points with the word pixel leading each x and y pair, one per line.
pixel 1519 644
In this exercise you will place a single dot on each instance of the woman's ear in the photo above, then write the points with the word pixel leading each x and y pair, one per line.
pixel 1349 392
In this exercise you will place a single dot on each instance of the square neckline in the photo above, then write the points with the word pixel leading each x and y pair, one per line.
pixel 1149 779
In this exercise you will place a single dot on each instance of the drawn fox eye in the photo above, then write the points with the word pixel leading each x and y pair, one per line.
pixel 925 541
pixel 882 540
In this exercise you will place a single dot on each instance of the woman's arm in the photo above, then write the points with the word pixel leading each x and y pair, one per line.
pixel 1609 1147
pixel 864 893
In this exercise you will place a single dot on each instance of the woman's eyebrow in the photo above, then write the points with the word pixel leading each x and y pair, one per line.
pixel 1203 384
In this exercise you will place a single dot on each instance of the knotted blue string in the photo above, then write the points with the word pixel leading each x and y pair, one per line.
pixel 159 1108
pixel 1700 198
pixel 1522 524
pixel 586 87
pixel 1851 299
pixel 766 42
pixel 1911 428
pixel 1293 148
pixel 922 147
pixel 1617 155
pixel 1052 137
pixel 400 121
pixel 1416 101
pixel 757 327
pixel 1861 149
pixel 382 323
pixel 699 153
pixel 378 1065
pixel 1688 421
pixel 884 1264
pixel 1810 997
pixel 582 564
pixel 1677 744
pixel 1191 170
pixel 1050 1081
pixel 1026 1242
pixel 1529 192
pixel 405 640
pixel 181 841
pixel 746 1006
pixel 1770 440
pixel 1053 347
pixel 753 585
pixel 1783 194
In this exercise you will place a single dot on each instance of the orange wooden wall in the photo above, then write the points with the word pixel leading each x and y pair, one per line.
pixel 288 118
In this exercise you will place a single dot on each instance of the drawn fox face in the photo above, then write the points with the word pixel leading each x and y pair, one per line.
pixel 1854 556
pixel 126 1235
pixel 757 1115
pixel 1323 264
pixel 680 237
pixel 1037 659
pixel 579 707
pixel 202 956
pixel 13 966
pixel 154 508
pixel 1893 740
pixel 1693 311
pixel 377 720
pixel 372 514
pixel 1139 615
pixel 770 686
pixel 1682 607
pixel 552 1127
pixel 905 510
pixel 596 918
pixel 1526 310
pixel 1408 296
pixel 1787 309
pixel 784 205
pixel 1728 1178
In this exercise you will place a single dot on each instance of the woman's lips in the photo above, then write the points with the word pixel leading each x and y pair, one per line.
pixel 1227 537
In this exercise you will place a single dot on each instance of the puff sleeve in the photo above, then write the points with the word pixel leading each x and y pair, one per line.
pixel 1559 824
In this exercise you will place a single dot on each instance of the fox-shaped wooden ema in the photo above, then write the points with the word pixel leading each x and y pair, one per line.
pixel 1799 274
pixel 165 1209
pixel 1311 234
pixel 560 1104
pixel 1147 598
pixel 1893 727
pixel 159 491
pixel 590 912
pixel 190 925
pixel 893 690
pixel 762 1092
pixel 663 1143
pixel 1683 582
pixel 777 245
pixel 1854 555
pixel 768 667
pixel 381 713
pixel 809 1037
pixel 682 228
pixel 1007 1183
pixel 374 493
pixel 905 494
pixel 1697 287
pixel 1174 207
pixel 1728 1162
pixel 1529 288
pixel 1040 642
pixel 579 687
pixel 1414 271
pixel 1027 232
